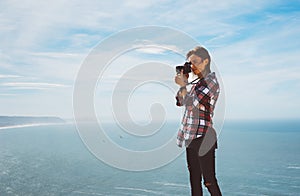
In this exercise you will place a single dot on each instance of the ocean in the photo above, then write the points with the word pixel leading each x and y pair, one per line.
pixel 256 158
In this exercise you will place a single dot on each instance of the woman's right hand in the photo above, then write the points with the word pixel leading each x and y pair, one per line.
pixel 181 79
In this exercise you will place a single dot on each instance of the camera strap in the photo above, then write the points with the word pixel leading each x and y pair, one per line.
pixel 193 82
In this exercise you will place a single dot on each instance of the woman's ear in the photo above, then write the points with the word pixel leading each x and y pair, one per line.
pixel 205 61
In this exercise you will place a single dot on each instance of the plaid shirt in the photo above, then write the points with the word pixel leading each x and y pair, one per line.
pixel 199 105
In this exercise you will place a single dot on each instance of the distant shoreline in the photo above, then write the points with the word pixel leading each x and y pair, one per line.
pixel 9 122
pixel 30 125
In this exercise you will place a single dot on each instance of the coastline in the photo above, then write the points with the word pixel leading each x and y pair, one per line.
pixel 32 125
pixel 11 122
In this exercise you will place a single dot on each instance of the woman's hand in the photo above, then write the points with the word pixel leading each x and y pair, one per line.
pixel 181 79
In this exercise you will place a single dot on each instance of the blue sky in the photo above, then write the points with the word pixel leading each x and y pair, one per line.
pixel 255 45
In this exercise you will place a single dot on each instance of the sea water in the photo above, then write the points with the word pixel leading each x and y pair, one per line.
pixel 253 158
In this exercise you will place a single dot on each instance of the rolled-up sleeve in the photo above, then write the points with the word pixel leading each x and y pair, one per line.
pixel 187 100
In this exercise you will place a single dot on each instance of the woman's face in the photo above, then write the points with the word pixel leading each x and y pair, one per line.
pixel 198 65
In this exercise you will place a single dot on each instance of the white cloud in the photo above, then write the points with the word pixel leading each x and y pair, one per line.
pixel 58 66
pixel 7 94
pixel 151 50
pixel 9 76
pixel 136 4
pixel 150 47
pixel 48 42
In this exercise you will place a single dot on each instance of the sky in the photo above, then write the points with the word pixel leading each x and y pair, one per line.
pixel 255 46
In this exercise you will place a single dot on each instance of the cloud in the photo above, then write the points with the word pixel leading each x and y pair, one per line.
pixel 150 47
pixel 7 94
pixel 254 43
pixel 151 50
pixel 58 66
pixel 9 76
pixel 38 23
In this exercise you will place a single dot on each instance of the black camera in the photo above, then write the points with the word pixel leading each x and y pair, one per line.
pixel 186 68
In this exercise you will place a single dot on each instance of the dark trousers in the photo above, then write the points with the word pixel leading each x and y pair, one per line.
pixel 202 166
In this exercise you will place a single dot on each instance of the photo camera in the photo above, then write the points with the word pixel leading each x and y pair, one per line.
pixel 186 68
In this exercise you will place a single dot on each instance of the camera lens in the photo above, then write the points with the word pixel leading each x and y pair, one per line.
pixel 178 69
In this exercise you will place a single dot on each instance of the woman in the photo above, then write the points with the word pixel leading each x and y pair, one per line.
pixel 196 126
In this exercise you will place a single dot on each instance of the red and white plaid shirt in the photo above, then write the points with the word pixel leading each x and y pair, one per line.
pixel 199 105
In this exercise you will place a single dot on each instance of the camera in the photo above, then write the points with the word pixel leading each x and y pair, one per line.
pixel 186 68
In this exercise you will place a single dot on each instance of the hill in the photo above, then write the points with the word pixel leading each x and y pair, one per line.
pixel 6 121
